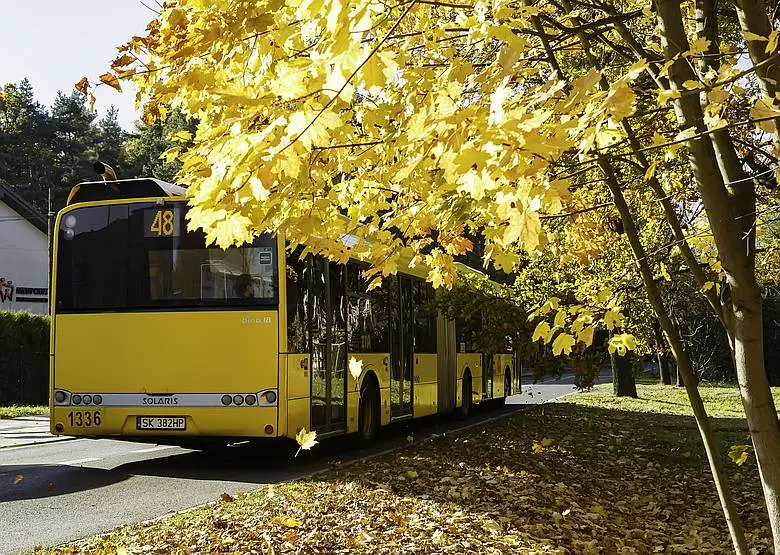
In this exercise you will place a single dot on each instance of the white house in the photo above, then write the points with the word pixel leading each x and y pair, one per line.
pixel 24 255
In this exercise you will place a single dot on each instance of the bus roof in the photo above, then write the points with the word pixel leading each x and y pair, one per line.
pixel 123 189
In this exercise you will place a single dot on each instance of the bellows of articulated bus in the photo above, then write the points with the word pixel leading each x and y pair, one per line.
pixel 112 188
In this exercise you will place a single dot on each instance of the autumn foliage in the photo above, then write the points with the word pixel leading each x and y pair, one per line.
pixel 626 140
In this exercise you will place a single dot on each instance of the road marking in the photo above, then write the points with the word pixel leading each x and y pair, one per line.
pixel 155 448
pixel 78 461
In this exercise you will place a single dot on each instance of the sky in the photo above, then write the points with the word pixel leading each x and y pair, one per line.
pixel 54 43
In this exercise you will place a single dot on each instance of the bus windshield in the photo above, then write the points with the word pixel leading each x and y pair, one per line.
pixel 140 256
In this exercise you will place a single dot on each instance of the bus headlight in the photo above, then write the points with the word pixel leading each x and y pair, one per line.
pixel 76 399
pixel 60 396
pixel 270 397
pixel 250 399
pixel 238 399
pixel 97 399
pixel 87 399
pixel 226 399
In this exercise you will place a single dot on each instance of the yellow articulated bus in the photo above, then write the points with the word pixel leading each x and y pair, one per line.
pixel 156 336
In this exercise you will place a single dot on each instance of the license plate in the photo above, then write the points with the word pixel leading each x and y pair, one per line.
pixel 161 423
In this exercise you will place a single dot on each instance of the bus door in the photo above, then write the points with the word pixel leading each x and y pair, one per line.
pixel 329 357
pixel 487 375
pixel 401 348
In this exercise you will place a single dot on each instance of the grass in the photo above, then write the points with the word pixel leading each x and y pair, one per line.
pixel 15 411
pixel 591 474
pixel 720 401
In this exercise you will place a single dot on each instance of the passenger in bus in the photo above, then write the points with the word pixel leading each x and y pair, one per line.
pixel 244 287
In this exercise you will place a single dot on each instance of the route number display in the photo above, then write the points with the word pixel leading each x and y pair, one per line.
pixel 161 222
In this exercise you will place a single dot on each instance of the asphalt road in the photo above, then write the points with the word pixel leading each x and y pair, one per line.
pixel 52 493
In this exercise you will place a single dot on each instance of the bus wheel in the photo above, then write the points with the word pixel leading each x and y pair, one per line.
pixel 507 386
pixel 368 415
pixel 465 405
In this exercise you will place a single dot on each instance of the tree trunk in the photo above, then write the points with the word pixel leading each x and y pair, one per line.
pixel 757 397
pixel 663 368
pixel 740 296
pixel 623 383
pixel 753 18
pixel 672 335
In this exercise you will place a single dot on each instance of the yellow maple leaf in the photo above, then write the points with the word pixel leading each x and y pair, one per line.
pixel 82 85
pixel 621 343
pixel 563 344
pixel 771 44
pixel 542 331
pixel 355 368
pixel 311 127
pixel 763 110
pixel 612 319
pixel 525 227
pixel 111 80
pixel 306 440
pixel 182 136
pixel 739 454
pixel 497 99
pixel 665 272
pixel 586 335
pixel 287 521
pixel 697 47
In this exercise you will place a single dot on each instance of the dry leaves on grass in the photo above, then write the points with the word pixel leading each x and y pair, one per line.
pixel 602 482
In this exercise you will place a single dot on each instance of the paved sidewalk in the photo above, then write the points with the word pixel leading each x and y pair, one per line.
pixel 26 430
pixel 537 394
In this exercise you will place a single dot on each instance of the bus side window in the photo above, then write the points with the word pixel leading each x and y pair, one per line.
pixel 367 313
pixel 298 273
pixel 430 297
pixel 424 318
pixel 380 319
pixel 358 329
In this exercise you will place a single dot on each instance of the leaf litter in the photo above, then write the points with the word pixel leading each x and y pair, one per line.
pixel 600 481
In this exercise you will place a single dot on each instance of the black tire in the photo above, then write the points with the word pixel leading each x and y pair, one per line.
pixel 368 414
pixel 465 405
pixel 507 385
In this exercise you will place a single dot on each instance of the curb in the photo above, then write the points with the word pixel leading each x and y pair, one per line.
pixel 29 443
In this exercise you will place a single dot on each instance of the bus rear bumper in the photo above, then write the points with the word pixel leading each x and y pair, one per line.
pixel 166 422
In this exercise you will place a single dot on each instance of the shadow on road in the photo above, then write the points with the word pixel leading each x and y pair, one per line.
pixel 269 462
pixel 19 482
pixel 254 463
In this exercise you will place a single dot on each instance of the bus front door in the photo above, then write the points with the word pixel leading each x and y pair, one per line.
pixel 329 359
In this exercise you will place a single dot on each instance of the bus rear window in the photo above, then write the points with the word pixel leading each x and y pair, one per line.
pixel 141 257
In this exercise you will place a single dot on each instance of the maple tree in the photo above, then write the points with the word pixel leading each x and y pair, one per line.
pixel 540 126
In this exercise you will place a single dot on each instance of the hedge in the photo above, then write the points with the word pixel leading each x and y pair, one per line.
pixel 24 358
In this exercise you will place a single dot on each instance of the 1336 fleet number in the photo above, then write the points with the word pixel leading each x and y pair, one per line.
pixel 84 419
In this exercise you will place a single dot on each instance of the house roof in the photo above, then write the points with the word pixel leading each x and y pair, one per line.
pixel 24 208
